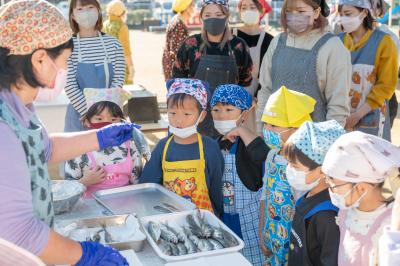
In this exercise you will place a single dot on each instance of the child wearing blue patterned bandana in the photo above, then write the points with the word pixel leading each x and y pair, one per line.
pixel 244 159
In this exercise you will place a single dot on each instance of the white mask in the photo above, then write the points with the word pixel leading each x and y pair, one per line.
pixel 297 179
pixel 350 24
pixel 340 200
pixel 224 126
pixel 87 19
pixel 46 94
pixel 184 132
pixel 250 17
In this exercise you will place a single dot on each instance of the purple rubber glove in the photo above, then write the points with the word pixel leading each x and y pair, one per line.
pixel 96 254
pixel 115 134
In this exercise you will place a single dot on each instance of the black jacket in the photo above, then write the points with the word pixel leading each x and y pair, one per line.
pixel 249 161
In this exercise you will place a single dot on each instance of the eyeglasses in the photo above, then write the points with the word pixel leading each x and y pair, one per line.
pixel 331 185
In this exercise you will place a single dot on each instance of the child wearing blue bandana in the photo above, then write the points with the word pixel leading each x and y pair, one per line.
pixel 284 112
pixel 242 179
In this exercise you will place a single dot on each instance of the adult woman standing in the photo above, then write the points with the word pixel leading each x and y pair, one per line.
pixel 375 68
pixel 34 48
pixel 177 32
pixel 116 26
pixel 309 59
pixel 97 61
pixel 214 56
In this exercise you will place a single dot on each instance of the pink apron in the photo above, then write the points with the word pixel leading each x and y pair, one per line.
pixel 118 175
pixel 359 247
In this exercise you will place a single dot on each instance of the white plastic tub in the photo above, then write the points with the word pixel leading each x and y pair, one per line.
pixel 179 219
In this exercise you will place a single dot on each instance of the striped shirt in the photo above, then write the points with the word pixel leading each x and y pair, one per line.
pixel 92 51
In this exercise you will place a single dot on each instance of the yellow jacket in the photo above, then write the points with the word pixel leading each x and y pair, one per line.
pixel 386 65
pixel 114 26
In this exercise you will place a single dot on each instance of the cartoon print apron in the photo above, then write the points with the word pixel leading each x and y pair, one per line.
pixel 118 174
pixel 241 208
pixel 32 142
pixel 279 210
pixel 88 75
pixel 187 178
pixel 363 79
pixel 356 249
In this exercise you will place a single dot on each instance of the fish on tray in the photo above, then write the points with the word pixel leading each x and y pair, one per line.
pixel 196 236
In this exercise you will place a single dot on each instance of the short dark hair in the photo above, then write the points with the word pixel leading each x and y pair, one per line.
pixel 99 107
pixel 14 67
pixel 72 22
pixel 368 22
pixel 294 154
pixel 178 99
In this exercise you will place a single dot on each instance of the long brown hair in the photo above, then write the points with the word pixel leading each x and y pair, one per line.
pixel 72 22
pixel 320 23
pixel 227 34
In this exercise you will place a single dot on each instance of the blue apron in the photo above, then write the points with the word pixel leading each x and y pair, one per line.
pixel 241 208
pixel 88 75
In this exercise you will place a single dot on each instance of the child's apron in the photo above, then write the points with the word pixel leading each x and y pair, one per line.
pixel 279 210
pixel 241 208
pixel 187 178
pixel 32 142
pixel 88 75
pixel 376 122
pixel 356 249
pixel 118 174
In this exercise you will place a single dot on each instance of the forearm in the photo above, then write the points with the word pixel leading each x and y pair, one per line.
pixel 61 250
pixel 67 146
pixel 261 223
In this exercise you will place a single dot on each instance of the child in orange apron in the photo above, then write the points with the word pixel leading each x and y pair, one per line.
pixel 185 162
pixel 114 166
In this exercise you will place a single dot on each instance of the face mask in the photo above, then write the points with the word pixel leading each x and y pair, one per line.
pixel 297 179
pixel 99 125
pixel 215 26
pixel 224 126
pixel 297 23
pixel 87 19
pixel 46 94
pixel 272 139
pixel 250 17
pixel 184 132
pixel 350 24
pixel 340 200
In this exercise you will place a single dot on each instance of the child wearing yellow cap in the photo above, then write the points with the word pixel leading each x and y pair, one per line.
pixel 116 26
pixel 284 113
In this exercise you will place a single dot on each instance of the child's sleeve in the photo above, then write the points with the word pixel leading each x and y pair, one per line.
pixel 74 168
pixel 215 168
pixel 258 150
pixel 152 171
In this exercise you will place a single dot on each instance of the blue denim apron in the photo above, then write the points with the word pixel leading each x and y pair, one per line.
pixel 88 75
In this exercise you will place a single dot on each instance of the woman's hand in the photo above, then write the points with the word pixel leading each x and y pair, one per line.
pixel 355 117
pixel 93 176
pixel 97 254
pixel 115 134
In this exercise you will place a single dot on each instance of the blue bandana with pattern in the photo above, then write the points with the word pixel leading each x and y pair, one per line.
pixel 232 94
pixel 314 139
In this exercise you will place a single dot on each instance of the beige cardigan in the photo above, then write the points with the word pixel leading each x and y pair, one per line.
pixel 333 71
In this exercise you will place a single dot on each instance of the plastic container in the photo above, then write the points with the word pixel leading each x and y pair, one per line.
pixel 179 219
pixel 66 193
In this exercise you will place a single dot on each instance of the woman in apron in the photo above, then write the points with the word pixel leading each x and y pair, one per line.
pixel 27 212
pixel 356 167
pixel 214 56
pixel 97 60
pixel 251 12
pixel 307 58
pixel 375 69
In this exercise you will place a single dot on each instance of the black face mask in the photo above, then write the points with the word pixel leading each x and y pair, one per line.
pixel 215 26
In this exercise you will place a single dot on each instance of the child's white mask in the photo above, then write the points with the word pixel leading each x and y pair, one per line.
pixel 185 132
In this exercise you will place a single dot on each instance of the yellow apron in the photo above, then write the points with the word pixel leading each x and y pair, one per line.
pixel 187 178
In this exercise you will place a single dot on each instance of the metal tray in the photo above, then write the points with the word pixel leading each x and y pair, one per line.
pixel 136 245
pixel 142 200
pixel 179 219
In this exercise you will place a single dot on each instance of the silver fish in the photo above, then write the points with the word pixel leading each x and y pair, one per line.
pixel 168 235
pixel 182 249
pixel 174 249
pixel 204 245
pixel 219 236
pixel 229 239
pixel 190 245
pixel 178 231
pixel 199 225
pixel 194 224
pixel 165 247
pixel 215 244
pixel 154 231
